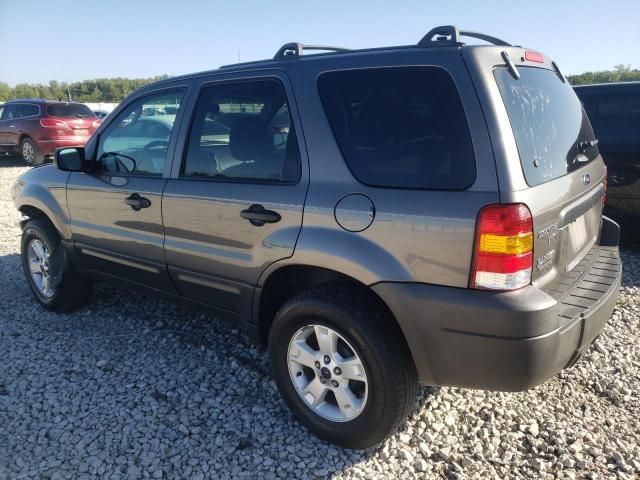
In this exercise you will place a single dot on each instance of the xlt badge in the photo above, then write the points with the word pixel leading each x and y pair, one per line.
pixel 545 259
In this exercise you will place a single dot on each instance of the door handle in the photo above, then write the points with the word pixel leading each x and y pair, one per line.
pixel 137 202
pixel 258 216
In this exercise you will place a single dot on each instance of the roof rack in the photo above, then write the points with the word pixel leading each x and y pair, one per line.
pixel 450 35
pixel 297 50
pixel 445 35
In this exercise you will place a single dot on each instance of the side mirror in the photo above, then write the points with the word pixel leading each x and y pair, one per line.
pixel 70 159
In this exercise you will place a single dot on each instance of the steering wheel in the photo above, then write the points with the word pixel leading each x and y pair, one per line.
pixel 154 145
pixel 146 155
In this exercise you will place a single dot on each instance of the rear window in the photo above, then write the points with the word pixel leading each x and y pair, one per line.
pixel 552 131
pixel 401 127
pixel 69 110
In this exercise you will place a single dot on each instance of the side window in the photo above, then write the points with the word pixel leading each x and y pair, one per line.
pixel 135 142
pixel 401 127
pixel 1 112
pixel 10 112
pixel 243 131
pixel 17 111
pixel 29 110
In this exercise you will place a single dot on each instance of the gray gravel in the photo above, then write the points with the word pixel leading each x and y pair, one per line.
pixel 131 387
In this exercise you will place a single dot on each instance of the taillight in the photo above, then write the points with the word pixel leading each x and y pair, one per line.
pixel 503 254
pixel 53 123
pixel 97 123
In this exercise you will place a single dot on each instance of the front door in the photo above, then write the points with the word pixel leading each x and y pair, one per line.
pixel 235 204
pixel 8 117
pixel 115 209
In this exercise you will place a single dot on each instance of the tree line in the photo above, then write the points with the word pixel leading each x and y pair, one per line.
pixel 116 89
pixel 620 73
pixel 98 90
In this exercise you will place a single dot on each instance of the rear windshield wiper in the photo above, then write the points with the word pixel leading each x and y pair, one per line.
pixel 510 65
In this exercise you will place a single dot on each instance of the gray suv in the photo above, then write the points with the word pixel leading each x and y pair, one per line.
pixel 381 217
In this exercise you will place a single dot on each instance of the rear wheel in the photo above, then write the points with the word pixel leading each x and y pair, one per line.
pixel 29 152
pixel 342 365
pixel 52 279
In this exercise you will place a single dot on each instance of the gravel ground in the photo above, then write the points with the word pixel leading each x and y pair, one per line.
pixel 131 387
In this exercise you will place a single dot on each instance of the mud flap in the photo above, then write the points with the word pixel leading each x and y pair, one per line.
pixel 57 264
pixel 610 233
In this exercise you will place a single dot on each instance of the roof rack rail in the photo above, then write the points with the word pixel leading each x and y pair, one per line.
pixel 450 35
pixel 297 49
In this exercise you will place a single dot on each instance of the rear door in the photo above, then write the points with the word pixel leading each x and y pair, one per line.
pixel 234 204
pixel 116 209
pixel 563 172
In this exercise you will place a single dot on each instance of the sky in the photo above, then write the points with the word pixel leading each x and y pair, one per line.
pixel 70 40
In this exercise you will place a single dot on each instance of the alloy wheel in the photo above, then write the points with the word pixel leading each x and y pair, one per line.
pixel 327 373
pixel 28 153
pixel 38 259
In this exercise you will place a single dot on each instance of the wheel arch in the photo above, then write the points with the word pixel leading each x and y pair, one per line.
pixel 24 135
pixel 290 279
pixel 38 202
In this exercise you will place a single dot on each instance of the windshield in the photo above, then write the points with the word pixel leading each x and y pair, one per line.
pixel 69 110
pixel 552 131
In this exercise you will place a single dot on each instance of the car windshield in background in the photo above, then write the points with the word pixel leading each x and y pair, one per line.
pixel 400 127
pixel 551 129
pixel 69 110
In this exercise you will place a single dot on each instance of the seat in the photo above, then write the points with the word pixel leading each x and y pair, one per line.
pixel 251 143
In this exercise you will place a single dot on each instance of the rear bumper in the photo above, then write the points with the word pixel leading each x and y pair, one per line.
pixel 48 147
pixel 506 341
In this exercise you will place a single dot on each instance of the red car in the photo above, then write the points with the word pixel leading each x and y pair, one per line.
pixel 34 128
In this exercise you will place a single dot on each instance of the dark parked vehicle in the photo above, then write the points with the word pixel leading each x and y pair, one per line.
pixel 34 128
pixel 428 213
pixel 614 112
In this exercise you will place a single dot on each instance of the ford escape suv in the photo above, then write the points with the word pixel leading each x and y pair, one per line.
pixel 35 128
pixel 382 217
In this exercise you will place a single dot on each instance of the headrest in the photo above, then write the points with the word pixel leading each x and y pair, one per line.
pixel 249 139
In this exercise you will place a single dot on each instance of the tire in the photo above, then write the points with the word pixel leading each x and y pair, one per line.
pixel 29 152
pixel 365 329
pixel 66 290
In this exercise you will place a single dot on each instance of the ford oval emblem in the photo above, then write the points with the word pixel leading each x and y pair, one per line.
pixel 586 179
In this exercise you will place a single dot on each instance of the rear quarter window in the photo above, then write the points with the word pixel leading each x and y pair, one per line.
pixel 401 127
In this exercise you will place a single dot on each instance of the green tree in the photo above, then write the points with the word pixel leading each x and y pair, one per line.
pixel 5 92
pixel 620 73
pixel 96 90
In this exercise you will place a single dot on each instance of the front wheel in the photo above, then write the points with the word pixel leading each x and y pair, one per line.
pixel 342 365
pixel 52 279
